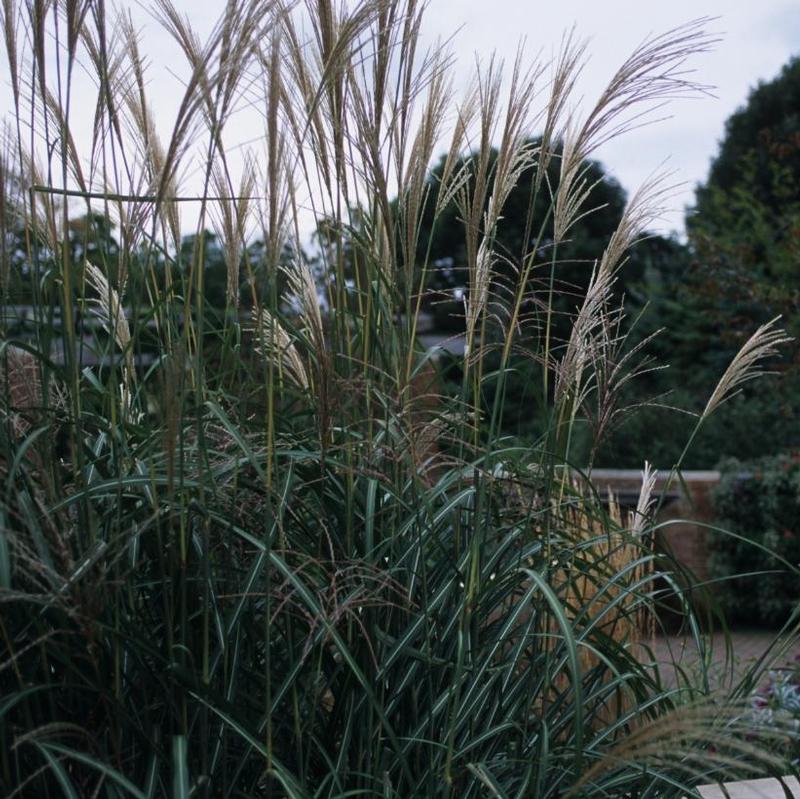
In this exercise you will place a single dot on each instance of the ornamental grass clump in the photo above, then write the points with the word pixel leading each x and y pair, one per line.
pixel 253 549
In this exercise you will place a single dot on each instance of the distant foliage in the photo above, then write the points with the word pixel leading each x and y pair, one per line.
pixel 764 132
pixel 523 227
pixel 759 503
pixel 738 269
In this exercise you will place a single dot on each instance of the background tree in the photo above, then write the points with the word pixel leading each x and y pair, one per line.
pixel 527 226
pixel 746 222
pixel 524 226
pixel 740 269
pixel 761 143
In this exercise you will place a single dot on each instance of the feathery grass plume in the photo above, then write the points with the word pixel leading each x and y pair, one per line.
pixel 108 151
pixel 493 182
pixel 647 206
pixel 320 66
pixel 112 315
pixel 455 170
pixel 215 63
pixel 746 364
pixel 650 76
pixel 590 336
pixel 640 517
pixel 275 345
pixel 399 115
pixel 203 84
pixel 701 743
pixel 369 108
pixel 412 176
pixel 10 19
pixel 109 306
pixel 566 69
pixel 614 365
pixel 109 166
pixel 304 287
pixel 580 350
pixel 573 188
pixel 515 153
pixel 231 217
pixel 158 176
pixel 471 200
pixel 218 68
pixel 480 282
pixel 308 75
pixel 58 117
pixel 75 13
pixel 302 106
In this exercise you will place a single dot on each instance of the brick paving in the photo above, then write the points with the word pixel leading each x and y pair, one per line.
pixel 675 652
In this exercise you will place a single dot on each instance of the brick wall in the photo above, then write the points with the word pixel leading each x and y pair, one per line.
pixel 690 501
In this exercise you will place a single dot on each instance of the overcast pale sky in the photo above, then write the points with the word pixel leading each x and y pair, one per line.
pixel 756 38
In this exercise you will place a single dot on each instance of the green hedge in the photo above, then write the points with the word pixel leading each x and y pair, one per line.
pixel 758 503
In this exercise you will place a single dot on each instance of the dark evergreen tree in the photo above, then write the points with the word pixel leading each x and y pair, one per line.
pixel 526 224
pixel 740 270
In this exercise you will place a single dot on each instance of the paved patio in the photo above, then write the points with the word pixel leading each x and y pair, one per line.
pixel 747 647
pixel 752 789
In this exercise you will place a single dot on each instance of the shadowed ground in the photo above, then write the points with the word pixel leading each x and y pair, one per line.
pixel 748 646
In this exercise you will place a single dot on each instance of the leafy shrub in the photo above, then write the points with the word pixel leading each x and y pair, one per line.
pixel 758 502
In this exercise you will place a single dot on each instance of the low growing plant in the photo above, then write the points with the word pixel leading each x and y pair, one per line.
pixel 776 707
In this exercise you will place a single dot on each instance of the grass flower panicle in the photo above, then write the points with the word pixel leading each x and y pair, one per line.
pixel 293 555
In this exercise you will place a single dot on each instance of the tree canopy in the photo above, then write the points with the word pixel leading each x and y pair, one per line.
pixel 745 227
pixel 760 150
pixel 738 270
pixel 526 223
